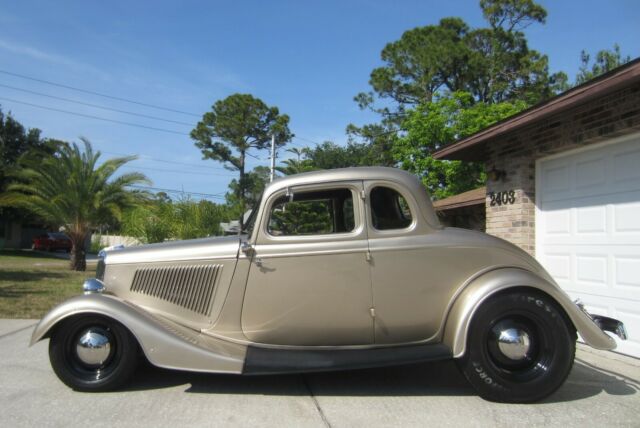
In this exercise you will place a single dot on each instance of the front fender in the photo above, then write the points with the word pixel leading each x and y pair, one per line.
pixel 484 286
pixel 164 343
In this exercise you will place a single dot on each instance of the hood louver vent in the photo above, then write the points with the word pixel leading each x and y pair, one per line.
pixel 188 286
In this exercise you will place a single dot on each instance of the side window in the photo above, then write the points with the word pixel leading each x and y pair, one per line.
pixel 389 210
pixel 312 213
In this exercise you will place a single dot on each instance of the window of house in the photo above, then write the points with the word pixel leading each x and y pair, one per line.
pixel 312 213
pixel 389 209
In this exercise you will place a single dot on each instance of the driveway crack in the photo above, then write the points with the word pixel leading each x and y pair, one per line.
pixel 315 402
pixel 17 331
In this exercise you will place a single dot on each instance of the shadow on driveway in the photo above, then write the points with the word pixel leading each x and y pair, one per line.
pixel 428 379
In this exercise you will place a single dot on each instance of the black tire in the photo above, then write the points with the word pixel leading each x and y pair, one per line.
pixel 112 373
pixel 539 368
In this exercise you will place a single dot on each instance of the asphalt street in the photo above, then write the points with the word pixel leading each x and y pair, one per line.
pixel 602 390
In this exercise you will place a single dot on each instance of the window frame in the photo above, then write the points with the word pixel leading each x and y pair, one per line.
pixel 358 213
pixel 408 197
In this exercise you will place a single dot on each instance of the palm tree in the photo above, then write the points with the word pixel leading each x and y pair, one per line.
pixel 70 189
pixel 296 166
pixel 298 152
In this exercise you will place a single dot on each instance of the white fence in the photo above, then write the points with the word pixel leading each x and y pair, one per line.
pixel 111 240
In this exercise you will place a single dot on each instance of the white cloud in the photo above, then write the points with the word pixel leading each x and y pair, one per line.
pixel 50 57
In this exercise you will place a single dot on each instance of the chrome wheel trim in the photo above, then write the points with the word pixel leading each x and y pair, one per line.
pixel 514 343
pixel 93 347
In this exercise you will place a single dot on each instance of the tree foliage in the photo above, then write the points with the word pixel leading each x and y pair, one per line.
pixel 512 15
pixel 605 60
pixel 431 126
pixel 254 184
pixel 17 142
pixel 71 189
pixel 149 223
pixel 161 220
pixel 494 64
pixel 441 82
pixel 236 125
pixel 300 218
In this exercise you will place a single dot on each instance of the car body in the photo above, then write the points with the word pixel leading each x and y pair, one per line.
pixel 337 269
pixel 52 241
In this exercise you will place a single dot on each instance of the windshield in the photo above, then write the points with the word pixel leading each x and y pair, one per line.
pixel 247 228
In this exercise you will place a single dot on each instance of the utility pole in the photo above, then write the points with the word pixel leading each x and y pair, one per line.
pixel 273 155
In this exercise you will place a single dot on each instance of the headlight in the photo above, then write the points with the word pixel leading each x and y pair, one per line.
pixel 92 286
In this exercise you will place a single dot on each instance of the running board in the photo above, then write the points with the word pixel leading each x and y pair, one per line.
pixel 261 360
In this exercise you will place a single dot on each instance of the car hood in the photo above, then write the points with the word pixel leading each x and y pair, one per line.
pixel 194 249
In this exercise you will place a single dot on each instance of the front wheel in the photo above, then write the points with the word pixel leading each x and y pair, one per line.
pixel 93 353
pixel 520 347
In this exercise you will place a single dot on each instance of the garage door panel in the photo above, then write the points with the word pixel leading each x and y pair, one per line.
pixel 558 265
pixel 588 229
pixel 627 217
pixel 556 180
pixel 590 173
pixel 558 222
pixel 626 273
pixel 592 269
pixel 591 219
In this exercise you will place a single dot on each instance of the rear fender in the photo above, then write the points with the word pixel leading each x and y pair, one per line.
pixel 164 343
pixel 486 285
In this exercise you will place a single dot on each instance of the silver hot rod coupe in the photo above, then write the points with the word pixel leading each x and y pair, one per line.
pixel 337 269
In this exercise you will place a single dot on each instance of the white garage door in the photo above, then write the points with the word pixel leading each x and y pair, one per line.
pixel 588 229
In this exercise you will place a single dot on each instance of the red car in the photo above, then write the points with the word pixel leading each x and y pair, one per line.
pixel 52 241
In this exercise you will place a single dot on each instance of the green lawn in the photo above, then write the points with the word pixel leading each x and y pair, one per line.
pixel 32 283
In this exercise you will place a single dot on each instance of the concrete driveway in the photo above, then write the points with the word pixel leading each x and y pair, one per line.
pixel 602 390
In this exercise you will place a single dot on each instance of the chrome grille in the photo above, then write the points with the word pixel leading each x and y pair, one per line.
pixel 100 269
pixel 188 286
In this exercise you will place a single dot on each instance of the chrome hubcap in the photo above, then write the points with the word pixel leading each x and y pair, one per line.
pixel 93 347
pixel 513 343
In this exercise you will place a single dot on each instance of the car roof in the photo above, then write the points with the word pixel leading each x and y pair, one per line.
pixel 342 174
pixel 372 173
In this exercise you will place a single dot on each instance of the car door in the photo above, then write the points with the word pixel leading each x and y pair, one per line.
pixel 309 281
pixel 405 287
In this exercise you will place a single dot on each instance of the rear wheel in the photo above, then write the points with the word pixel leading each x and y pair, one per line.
pixel 93 353
pixel 520 347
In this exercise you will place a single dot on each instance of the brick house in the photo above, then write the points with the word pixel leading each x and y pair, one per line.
pixel 564 185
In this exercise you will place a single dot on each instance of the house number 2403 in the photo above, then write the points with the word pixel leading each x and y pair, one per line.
pixel 502 198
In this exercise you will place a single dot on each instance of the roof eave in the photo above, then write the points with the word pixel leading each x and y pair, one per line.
pixel 471 148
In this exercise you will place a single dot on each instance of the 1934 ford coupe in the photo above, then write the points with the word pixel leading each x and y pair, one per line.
pixel 335 269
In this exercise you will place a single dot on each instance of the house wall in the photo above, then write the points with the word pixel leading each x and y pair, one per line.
pixel 515 153
pixel 470 217
pixel 11 234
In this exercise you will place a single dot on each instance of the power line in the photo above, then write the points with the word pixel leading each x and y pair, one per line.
pixel 97 106
pixel 136 125
pixel 307 140
pixel 145 157
pixel 208 174
pixel 86 91
pixel 158 189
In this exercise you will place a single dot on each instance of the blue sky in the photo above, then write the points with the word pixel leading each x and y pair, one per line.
pixel 307 58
